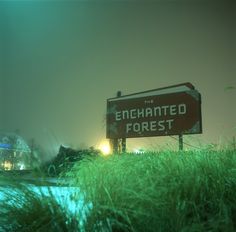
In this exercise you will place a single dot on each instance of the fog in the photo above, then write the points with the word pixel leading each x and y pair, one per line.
pixel 60 61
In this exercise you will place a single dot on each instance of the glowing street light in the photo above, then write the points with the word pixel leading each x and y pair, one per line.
pixel 105 148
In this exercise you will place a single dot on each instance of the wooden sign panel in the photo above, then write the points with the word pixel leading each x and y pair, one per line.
pixel 156 115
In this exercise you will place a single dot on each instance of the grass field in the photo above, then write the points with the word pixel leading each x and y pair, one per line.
pixel 166 191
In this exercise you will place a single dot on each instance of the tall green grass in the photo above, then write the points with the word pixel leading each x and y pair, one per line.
pixel 23 210
pixel 167 191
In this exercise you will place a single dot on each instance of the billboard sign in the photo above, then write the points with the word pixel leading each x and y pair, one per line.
pixel 171 110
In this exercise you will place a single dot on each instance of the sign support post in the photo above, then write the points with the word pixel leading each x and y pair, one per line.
pixel 115 145
pixel 118 145
pixel 123 144
pixel 181 142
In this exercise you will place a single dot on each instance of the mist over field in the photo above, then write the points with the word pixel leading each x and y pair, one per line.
pixel 61 60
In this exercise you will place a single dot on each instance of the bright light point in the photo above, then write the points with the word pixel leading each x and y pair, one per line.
pixel 22 166
pixel 105 148
pixel 138 151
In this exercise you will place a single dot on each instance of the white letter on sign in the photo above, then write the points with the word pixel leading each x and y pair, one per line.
pixel 133 114
pixel 145 126
pixel 118 114
pixel 182 109
pixel 173 110
pixel 148 112
pixel 140 113
pixel 170 123
pixel 160 124
pixel 125 114
pixel 153 126
pixel 128 127
pixel 136 127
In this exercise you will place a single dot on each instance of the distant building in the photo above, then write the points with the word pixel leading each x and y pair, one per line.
pixel 15 153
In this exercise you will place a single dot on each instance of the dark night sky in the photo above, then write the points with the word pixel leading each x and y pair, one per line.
pixel 60 61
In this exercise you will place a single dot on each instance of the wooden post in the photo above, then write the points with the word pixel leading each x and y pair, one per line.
pixel 180 142
pixel 115 142
pixel 123 144
pixel 111 144
pixel 115 146
pixel 118 145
